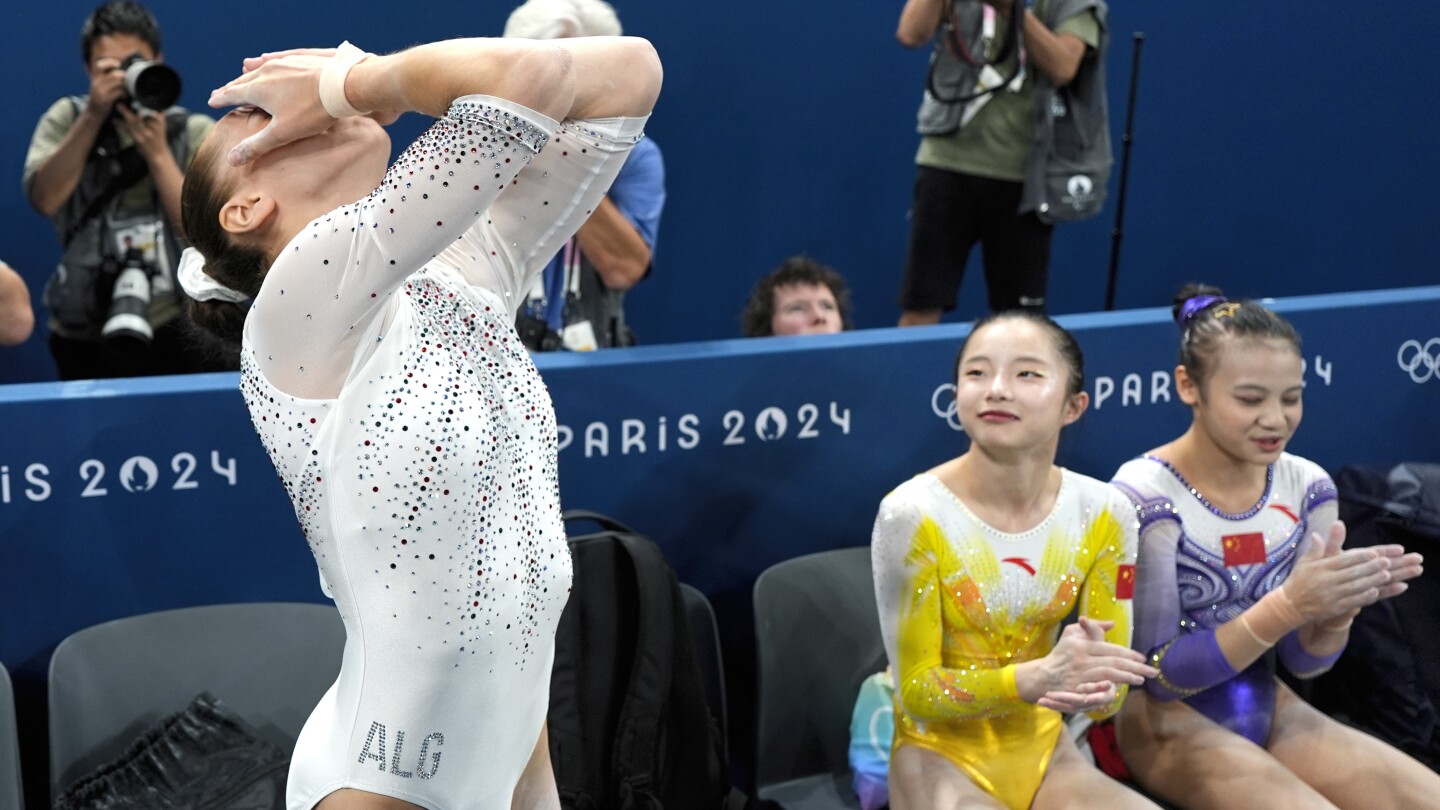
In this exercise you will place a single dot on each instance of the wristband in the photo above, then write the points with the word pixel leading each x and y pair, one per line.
pixel 332 81
pixel 1258 640
pixel 1270 619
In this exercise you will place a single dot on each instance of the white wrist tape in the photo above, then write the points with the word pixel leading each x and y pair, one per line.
pixel 1258 640
pixel 332 81
pixel 1270 619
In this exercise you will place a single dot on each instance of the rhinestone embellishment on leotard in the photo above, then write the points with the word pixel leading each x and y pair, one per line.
pixel 1217 511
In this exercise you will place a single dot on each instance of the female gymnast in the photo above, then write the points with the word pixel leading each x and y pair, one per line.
pixel 383 374
pixel 977 562
pixel 1241 554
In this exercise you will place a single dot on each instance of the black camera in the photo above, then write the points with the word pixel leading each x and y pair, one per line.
pixel 128 321
pixel 536 334
pixel 152 85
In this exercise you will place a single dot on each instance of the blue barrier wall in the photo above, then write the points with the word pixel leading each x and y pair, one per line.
pixel 122 498
pixel 1274 155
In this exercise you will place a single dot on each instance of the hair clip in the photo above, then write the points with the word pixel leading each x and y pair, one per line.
pixel 1227 309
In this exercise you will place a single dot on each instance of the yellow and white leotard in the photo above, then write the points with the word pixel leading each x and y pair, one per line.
pixel 962 603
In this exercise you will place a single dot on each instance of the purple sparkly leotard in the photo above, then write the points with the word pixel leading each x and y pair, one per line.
pixel 427 486
pixel 1200 567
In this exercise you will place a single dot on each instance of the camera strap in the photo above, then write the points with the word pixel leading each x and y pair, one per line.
pixel 951 43
pixel 127 169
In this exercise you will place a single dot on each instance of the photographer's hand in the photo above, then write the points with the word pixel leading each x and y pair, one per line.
pixel 58 174
pixel 148 132
pixel 107 86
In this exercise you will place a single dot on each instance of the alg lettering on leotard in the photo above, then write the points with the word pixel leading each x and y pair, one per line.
pixel 374 748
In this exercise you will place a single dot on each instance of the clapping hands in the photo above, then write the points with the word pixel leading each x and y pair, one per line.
pixel 1083 670
pixel 1331 583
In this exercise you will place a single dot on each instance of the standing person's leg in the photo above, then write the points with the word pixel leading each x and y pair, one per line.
pixel 942 232
pixel 1016 250
pixel 1351 768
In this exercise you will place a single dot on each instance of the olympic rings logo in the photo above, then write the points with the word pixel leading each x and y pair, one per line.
pixel 1420 361
pixel 942 402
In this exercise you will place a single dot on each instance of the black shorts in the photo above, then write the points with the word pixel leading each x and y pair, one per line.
pixel 952 212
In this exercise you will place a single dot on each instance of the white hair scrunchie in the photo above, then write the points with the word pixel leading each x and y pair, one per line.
pixel 201 286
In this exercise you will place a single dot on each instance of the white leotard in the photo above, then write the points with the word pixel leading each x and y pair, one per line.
pixel 427 486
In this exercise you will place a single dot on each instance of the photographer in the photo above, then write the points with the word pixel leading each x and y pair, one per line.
pixel 578 302
pixel 107 171
pixel 1015 139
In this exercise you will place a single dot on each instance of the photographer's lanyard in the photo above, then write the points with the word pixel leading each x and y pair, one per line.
pixel 987 36
pixel 571 263
pixel 989 79
pixel 556 287
pixel 987 30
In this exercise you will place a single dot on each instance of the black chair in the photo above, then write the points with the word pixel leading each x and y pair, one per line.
pixel 705 635
pixel 818 637
pixel 11 797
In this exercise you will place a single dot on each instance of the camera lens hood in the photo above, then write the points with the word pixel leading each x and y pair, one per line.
pixel 153 85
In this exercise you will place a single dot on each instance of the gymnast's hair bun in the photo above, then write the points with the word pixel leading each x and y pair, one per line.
pixel 1193 299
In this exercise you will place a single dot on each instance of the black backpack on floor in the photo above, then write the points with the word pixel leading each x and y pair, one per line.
pixel 630 728
pixel 1387 683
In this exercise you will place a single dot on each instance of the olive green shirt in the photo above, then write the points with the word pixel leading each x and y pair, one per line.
pixel 997 140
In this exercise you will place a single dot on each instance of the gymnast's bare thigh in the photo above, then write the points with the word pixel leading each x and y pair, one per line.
pixel 352 799
pixel 1189 761
pixel 1074 782
pixel 921 779
pixel 1350 768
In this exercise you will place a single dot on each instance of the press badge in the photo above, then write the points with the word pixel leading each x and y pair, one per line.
pixel 990 79
pixel 147 234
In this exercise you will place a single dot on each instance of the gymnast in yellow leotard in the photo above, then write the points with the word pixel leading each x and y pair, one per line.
pixel 977 562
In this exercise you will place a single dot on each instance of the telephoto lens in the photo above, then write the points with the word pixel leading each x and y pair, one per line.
pixel 129 319
pixel 153 85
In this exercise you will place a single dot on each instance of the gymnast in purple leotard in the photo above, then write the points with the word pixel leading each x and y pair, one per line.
pixel 1204 566
pixel 1242 566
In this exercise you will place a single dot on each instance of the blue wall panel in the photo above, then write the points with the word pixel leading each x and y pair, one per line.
pixel 127 497
pixel 1275 154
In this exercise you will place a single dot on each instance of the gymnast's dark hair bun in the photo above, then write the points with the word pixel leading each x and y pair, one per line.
pixel 1206 318
pixel 223 320
pixel 1187 292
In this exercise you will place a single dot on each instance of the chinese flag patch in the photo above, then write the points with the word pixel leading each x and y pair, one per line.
pixel 1243 549
pixel 1125 582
